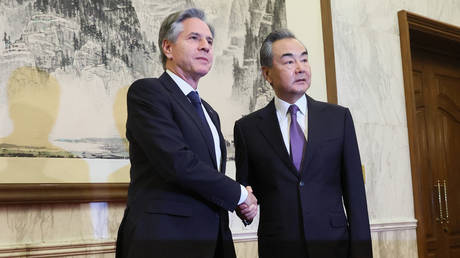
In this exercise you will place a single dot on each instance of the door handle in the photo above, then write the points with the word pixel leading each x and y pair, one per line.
pixel 438 186
pixel 445 201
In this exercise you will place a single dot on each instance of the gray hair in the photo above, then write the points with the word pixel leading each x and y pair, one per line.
pixel 172 26
pixel 266 55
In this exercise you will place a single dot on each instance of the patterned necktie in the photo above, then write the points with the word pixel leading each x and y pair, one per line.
pixel 196 102
pixel 296 138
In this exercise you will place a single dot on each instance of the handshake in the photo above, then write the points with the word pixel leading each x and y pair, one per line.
pixel 248 209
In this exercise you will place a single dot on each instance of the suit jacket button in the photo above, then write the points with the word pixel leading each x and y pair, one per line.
pixel 301 183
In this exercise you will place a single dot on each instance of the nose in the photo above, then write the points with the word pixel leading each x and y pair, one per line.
pixel 204 45
pixel 300 67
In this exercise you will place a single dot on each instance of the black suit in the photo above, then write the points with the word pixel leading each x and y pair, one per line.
pixel 177 200
pixel 301 213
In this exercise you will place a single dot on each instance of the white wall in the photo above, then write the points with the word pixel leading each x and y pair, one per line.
pixel 370 82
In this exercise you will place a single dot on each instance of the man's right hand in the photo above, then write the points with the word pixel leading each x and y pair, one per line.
pixel 248 209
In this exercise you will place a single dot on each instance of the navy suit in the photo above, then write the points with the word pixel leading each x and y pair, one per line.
pixel 302 213
pixel 177 200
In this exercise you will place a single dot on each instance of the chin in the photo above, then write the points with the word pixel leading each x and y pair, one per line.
pixel 203 70
pixel 300 87
pixel 201 73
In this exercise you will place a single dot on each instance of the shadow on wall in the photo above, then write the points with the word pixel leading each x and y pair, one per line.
pixel 27 155
pixel 120 114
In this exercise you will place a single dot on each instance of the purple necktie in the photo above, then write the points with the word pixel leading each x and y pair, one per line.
pixel 297 138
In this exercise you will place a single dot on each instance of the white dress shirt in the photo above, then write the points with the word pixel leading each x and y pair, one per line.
pixel 186 89
pixel 284 118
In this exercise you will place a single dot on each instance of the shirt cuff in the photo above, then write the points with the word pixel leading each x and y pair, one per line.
pixel 244 195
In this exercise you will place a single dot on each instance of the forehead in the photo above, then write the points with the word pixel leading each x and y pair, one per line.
pixel 287 46
pixel 197 26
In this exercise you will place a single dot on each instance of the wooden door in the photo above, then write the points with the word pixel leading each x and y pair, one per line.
pixel 436 81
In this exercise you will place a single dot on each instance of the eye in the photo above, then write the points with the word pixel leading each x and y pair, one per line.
pixel 305 60
pixel 289 62
pixel 210 41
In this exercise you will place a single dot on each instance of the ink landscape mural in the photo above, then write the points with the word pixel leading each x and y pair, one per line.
pixel 65 66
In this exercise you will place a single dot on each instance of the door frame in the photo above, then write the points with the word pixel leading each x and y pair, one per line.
pixel 413 23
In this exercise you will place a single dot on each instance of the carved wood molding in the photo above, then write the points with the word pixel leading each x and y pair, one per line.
pixel 419 31
pixel 63 250
pixel 430 26
pixel 63 193
pixel 329 58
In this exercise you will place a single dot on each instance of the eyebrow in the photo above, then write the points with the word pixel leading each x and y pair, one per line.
pixel 304 53
pixel 198 34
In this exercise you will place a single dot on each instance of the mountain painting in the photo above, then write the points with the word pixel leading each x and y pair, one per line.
pixel 65 66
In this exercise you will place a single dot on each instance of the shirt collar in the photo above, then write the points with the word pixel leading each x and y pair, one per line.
pixel 282 106
pixel 183 85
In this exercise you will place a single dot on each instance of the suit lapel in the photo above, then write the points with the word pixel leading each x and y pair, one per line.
pixel 270 129
pixel 223 148
pixel 188 108
pixel 314 131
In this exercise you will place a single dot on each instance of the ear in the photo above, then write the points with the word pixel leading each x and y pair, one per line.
pixel 266 72
pixel 166 45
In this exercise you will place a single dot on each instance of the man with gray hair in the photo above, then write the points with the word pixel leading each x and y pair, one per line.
pixel 301 158
pixel 178 195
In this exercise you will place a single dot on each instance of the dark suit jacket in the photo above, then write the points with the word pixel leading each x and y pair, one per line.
pixel 305 209
pixel 177 200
